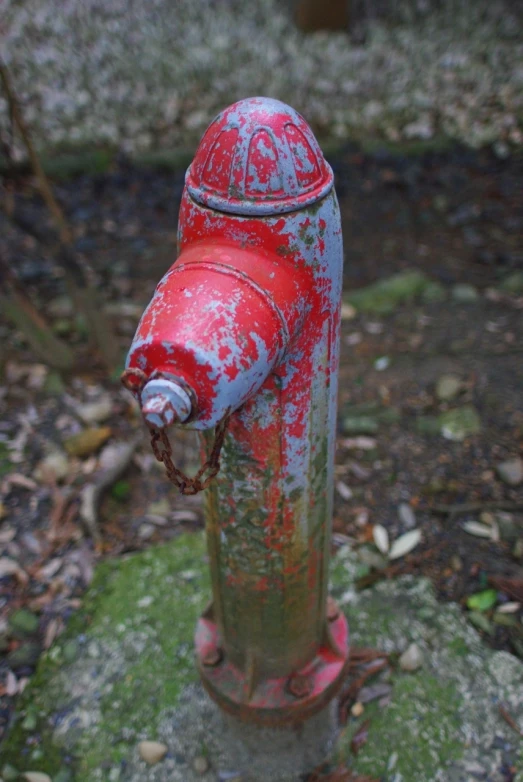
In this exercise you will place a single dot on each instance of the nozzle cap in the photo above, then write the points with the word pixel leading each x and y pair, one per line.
pixel 164 402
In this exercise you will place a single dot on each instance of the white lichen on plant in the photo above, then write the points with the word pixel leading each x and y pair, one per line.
pixel 139 75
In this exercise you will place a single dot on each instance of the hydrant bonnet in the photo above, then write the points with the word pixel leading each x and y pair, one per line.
pixel 259 157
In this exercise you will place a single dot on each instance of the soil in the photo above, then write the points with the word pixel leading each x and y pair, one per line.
pixel 457 216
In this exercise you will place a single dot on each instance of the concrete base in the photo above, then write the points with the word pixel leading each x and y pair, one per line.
pixel 124 672
pixel 278 754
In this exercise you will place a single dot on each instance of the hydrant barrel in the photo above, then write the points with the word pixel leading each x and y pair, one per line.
pixel 246 323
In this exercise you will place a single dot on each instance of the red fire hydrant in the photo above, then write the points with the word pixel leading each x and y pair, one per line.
pixel 241 342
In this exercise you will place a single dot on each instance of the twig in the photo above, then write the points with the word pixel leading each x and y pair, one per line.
pixel 92 493
pixel 82 292
pixel 509 719
pixel 475 507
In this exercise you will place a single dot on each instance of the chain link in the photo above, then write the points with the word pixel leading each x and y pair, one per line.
pixel 162 449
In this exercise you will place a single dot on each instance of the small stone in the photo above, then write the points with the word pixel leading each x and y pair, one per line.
pixel 406 515
pixel 152 751
pixel 460 423
pixel 87 442
pixel 95 412
pixel 54 465
pixel 358 709
pixel 411 659
pixel 456 563
pixel 159 508
pixel 36 776
pixel 511 471
pixel 464 293
pixel 146 531
pixel 447 387
pixel 23 623
pixel 517 551
pixel 200 765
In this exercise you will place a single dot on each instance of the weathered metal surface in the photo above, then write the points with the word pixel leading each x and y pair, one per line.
pixel 247 320
pixel 273 700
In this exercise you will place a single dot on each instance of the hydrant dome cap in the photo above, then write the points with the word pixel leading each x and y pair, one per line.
pixel 258 157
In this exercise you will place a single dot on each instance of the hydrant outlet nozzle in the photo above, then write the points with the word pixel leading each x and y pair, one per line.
pixel 165 402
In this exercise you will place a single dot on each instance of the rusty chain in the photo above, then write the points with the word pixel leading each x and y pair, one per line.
pixel 162 449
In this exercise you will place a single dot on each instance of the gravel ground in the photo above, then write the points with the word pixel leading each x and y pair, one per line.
pixel 144 76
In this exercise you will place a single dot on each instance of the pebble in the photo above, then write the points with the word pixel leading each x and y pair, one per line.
pixel 517 551
pixel 411 659
pixel 36 776
pixel 55 463
pixel 460 423
pixel 200 764
pixel 146 531
pixel 406 515
pixel 464 293
pixel 152 751
pixel 448 387
pixel 511 471
pixel 95 412
pixel 357 709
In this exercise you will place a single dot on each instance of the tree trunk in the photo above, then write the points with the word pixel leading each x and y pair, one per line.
pixel 311 15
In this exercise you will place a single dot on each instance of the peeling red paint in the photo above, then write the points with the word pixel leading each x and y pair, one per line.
pixel 248 318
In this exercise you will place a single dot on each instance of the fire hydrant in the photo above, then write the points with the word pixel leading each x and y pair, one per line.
pixel 241 342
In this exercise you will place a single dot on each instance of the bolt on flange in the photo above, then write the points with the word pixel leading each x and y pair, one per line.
pixel 333 610
pixel 212 658
pixel 299 685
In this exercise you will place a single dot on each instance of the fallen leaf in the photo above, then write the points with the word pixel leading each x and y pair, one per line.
pixel 480 621
pixel 344 491
pixel 21 481
pixel 8 567
pixel 482 601
pixel 54 628
pixel 477 529
pixel 361 443
pixel 405 543
pixel 509 608
pixel 11 684
pixel 86 442
pixel 381 538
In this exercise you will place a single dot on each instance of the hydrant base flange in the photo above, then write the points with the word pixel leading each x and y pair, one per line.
pixel 275 701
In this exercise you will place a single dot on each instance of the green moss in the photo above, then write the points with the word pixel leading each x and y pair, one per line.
pixel 156 596
pixel 382 297
pixel 419 728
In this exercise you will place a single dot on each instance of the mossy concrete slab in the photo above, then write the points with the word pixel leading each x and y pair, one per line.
pixel 124 672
